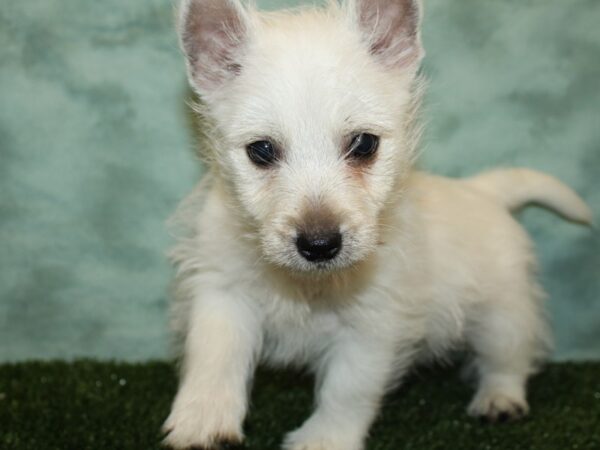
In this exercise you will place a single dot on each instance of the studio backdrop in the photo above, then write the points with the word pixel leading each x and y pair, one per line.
pixel 97 148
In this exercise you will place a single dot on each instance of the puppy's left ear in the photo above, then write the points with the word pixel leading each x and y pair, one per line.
pixel 392 30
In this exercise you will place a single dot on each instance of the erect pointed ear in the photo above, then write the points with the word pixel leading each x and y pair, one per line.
pixel 213 35
pixel 391 29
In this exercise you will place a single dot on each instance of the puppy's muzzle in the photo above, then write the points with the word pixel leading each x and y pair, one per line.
pixel 319 247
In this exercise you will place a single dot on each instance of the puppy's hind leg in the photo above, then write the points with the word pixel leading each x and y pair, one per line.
pixel 509 336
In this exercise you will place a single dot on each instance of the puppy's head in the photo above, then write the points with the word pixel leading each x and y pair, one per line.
pixel 310 115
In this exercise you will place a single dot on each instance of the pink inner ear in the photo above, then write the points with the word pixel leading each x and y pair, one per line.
pixel 212 35
pixel 392 30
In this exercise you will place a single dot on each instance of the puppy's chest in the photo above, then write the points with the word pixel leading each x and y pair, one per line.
pixel 296 333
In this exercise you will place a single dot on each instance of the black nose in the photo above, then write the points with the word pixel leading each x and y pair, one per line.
pixel 319 247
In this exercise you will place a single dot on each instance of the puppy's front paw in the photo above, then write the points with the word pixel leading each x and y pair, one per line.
pixel 498 407
pixel 310 437
pixel 198 426
pixel 217 445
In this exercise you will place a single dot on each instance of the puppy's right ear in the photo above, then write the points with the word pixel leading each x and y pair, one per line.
pixel 213 34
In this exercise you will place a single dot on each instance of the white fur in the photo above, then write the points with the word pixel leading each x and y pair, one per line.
pixel 428 264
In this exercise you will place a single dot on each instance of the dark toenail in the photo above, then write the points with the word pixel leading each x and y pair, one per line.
pixel 503 417
pixel 231 445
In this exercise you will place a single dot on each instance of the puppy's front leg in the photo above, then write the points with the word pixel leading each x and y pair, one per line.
pixel 351 382
pixel 220 352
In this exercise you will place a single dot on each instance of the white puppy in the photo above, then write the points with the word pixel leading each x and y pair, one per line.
pixel 313 242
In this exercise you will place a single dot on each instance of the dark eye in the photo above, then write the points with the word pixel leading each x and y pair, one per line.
pixel 262 153
pixel 363 146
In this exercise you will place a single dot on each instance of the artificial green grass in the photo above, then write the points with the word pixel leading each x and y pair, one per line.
pixel 100 405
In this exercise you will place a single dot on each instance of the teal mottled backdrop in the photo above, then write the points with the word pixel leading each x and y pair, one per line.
pixel 96 149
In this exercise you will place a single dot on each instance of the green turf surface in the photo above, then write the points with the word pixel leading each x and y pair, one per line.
pixel 98 405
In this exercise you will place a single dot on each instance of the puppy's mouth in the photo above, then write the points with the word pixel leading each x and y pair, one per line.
pixel 316 269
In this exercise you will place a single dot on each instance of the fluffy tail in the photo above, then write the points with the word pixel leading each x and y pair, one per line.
pixel 516 188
